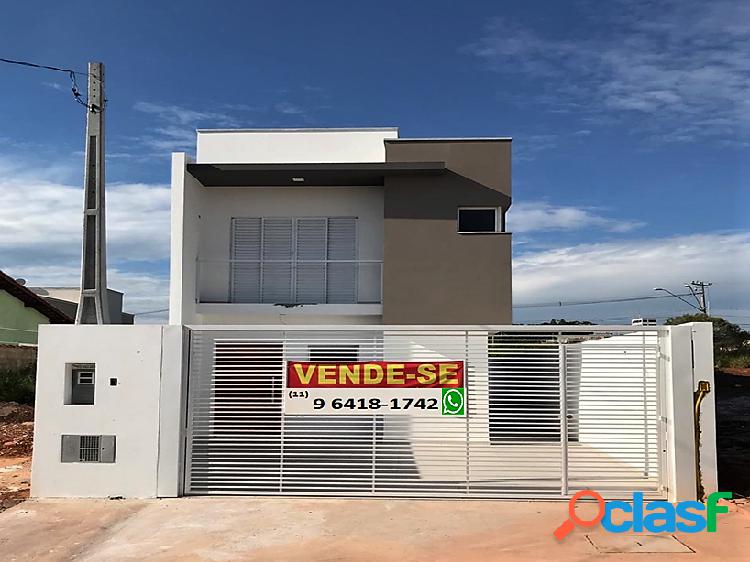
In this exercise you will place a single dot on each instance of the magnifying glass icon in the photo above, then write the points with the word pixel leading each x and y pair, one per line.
pixel 569 524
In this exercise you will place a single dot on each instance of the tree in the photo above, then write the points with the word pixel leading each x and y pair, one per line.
pixel 563 322
pixel 731 343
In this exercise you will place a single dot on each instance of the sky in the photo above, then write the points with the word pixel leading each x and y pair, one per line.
pixel 630 123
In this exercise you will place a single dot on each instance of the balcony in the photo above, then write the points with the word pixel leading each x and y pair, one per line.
pixel 289 283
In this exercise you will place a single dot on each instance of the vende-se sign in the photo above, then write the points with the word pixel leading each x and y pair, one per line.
pixel 423 389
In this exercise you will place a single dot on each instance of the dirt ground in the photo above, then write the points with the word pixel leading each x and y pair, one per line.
pixel 16 438
pixel 733 440
pixel 338 530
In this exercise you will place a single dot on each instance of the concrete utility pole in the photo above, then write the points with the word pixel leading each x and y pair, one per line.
pixel 698 291
pixel 93 305
pixel 698 288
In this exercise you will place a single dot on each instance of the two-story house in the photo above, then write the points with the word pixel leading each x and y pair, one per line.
pixel 340 324
pixel 340 226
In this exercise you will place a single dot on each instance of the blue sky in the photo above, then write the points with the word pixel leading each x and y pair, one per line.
pixel 630 125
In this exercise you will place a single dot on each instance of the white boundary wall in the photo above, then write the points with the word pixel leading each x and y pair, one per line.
pixel 146 409
pixel 143 410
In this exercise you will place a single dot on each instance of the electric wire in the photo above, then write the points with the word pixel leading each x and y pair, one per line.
pixel 77 95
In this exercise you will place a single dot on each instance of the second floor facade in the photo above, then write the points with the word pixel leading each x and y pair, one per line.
pixel 340 226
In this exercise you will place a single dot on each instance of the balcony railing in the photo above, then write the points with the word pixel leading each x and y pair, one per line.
pixel 287 282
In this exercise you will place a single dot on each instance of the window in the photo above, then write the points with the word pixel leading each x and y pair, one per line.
pixel 87 448
pixel 478 220
pixel 80 382
pixel 286 260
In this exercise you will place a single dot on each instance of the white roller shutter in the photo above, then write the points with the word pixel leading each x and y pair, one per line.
pixel 277 255
pixel 342 269
pixel 310 265
pixel 245 252
pixel 303 260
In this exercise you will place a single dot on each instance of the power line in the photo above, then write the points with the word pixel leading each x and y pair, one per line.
pixel 77 96
pixel 44 66
pixel 150 312
pixel 602 301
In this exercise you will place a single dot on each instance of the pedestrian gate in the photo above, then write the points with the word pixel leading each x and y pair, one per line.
pixel 548 412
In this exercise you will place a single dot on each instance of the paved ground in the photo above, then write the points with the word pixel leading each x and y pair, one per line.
pixel 268 529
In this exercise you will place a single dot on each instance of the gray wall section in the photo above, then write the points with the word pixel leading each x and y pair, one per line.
pixel 487 162
pixel 431 273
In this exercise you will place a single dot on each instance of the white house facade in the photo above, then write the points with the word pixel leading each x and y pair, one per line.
pixel 340 325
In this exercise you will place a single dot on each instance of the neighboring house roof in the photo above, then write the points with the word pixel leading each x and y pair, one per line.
pixel 32 300
pixel 66 299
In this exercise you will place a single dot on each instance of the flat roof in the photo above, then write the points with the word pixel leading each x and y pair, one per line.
pixel 302 174
pixel 449 139
pixel 301 130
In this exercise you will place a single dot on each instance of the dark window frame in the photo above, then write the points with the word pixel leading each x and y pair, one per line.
pixel 498 222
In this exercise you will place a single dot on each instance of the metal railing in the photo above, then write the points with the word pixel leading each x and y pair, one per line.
pixel 289 282
pixel 548 413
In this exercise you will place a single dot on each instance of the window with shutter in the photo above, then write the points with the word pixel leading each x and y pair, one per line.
pixel 246 243
pixel 311 253
pixel 277 256
pixel 305 260
pixel 342 270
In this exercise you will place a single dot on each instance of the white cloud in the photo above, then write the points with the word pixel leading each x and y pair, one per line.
pixel 288 108
pixel 683 65
pixel 538 216
pixel 144 292
pixel 183 115
pixel 528 147
pixel 43 218
pixel 634 267
pixel 41 221
pixel 174 127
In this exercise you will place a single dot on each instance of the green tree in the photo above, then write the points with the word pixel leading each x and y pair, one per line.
pixel 731 343
pixel 563 322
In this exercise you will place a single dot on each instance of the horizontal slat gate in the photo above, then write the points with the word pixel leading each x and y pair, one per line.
pixel 548 414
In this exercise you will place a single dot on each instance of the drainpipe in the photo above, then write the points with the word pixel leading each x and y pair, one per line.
pixel 704 387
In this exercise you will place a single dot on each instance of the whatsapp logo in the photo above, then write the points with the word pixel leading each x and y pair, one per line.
pixel 453 402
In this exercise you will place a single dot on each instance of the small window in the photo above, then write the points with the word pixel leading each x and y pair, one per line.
pixel 478 220
pixel 88 448
pixel 80 381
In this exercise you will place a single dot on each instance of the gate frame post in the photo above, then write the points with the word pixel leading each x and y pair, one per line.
pixel 678 413
pixel 703 370
pixel 175 346
pixel 563 369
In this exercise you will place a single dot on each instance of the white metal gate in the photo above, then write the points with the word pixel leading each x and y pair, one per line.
pixel 549 412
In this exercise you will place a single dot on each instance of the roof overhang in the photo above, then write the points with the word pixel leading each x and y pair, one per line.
pixel 315 174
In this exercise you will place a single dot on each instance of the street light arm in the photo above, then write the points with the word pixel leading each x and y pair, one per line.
pixel 678 297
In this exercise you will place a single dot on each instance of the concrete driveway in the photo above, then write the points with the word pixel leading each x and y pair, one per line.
pixel 269 529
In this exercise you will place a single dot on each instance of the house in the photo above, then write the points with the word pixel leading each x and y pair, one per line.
pixel 354 226
pixel 340 325
pixel 67 298
pixel 22 311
